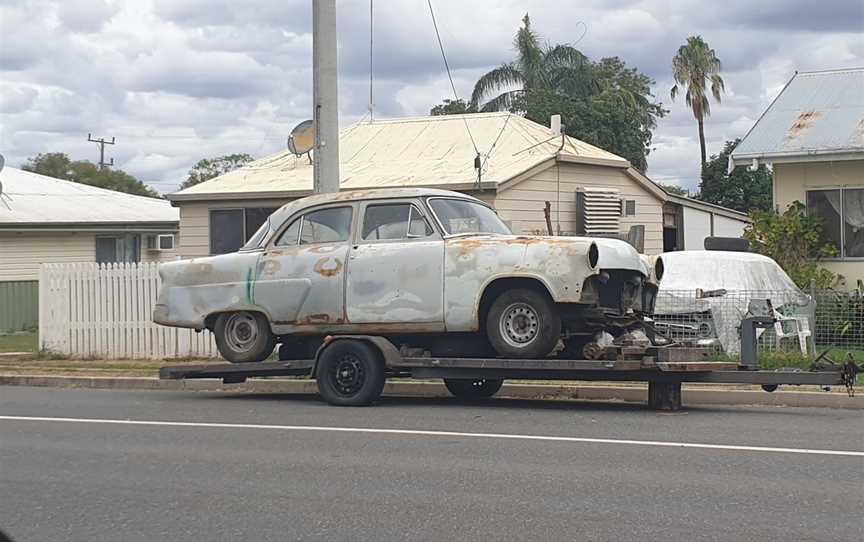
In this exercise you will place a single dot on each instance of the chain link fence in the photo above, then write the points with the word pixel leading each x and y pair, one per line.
pixel 807 323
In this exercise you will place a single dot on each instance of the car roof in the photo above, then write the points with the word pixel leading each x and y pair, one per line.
pixel 364 195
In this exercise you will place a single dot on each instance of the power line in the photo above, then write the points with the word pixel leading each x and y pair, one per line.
pixel 102 142
pixel 449 75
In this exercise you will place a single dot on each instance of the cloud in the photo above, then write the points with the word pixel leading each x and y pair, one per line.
pixel 179 80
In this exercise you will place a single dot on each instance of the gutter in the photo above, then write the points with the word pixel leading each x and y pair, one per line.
pixel 147 227
pixel 816 155
pixel 294 194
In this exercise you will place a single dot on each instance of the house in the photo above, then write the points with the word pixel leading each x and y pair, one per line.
pixel 813 136
pixel 523 165
pixel 48 220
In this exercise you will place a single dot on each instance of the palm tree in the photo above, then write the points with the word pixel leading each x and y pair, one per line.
pixel 561 68
pixel 694 67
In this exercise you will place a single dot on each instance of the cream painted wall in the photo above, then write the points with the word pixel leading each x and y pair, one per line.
pixel 697 226
pixel 522 204
pixel 22 253
pixel 791 181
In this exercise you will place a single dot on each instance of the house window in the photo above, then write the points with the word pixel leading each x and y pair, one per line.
pixel 630 207
pixel 841 211
pixel 231 228
pixel 118 248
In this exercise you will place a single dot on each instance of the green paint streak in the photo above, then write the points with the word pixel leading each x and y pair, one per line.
pixel 249 285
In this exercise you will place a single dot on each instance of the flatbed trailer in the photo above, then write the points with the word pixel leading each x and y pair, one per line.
pixel 351 370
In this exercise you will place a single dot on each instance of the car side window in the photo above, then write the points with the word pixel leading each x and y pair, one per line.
pixel 331 225
pixel 290 236
pixel 394 221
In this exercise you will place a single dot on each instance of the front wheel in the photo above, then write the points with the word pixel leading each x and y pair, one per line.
pixel 523 323
pixel 243 336
pixel 350 373
pixel 473 389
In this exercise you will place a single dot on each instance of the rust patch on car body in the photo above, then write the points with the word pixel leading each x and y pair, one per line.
pixel 803 122
pixel 323 249
pixel 328 267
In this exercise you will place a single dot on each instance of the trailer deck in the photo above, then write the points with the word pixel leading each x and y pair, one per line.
pixel 664 371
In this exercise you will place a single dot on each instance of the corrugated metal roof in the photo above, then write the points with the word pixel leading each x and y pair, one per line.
pixel 412 152
pixel 33 199
pixel 816 113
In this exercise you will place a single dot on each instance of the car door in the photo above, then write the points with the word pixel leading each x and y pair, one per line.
pixel 395 267
pixel 300 278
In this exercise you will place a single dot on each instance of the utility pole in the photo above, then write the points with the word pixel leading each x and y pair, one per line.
pixel 102 142
pixel 325 90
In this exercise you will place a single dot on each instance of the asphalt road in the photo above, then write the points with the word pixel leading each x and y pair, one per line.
pixel 254 474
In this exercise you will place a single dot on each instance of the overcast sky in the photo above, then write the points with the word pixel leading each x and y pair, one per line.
pixel 179 80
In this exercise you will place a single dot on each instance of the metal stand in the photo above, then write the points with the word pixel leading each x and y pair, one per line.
pixel 664 396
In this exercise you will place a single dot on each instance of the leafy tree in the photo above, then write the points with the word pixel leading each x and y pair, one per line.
pixel 743 190
pixel 694 67
pixel 209 168
pixel 453 107
pixel 603 103
pixel 674 189
pixel 794 241
pixel 60 166
pixel 560 68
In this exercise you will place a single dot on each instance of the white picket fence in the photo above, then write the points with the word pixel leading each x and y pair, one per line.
pixel 104 311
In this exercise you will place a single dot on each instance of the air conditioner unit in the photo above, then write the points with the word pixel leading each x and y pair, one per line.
pixel 598 211
pixel 158 243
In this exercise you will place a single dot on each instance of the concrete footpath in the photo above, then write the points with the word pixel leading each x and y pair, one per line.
pixel 692 394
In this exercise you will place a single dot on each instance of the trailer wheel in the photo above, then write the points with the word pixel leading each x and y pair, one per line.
pixel 523 323
pixel 243 336
pixel 473 389
pixel 350 373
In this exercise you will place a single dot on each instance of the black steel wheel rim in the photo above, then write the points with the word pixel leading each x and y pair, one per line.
pixel 347 375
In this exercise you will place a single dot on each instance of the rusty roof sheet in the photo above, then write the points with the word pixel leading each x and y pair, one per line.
pixel 412 152
pixel 38 200
pixel 816 113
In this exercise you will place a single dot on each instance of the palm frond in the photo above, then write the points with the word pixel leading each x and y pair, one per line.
pixel 503 102
pixel 502 77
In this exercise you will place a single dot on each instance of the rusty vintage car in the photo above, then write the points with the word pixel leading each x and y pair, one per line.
pixel 431 268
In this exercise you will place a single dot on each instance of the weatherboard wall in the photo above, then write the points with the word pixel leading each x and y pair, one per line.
pixel 522 203
pixel 21 253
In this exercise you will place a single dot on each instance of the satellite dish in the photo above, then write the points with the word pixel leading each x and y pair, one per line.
pixel 2 162
pixel 302 138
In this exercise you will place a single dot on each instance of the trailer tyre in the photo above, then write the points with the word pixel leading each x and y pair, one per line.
pixel 523 323
pixel 482 388
pixel 244 336
pixel 350 373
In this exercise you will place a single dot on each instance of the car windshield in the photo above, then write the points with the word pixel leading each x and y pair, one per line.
pixel 458 216
pixel 258 237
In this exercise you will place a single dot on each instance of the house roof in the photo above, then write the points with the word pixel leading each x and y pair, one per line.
pixel 816 114
pixel 412 152
pixel 32 200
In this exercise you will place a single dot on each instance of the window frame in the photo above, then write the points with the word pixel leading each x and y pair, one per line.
pixel 245 234
pixel 300 214
pixel 119 238
pixel 413 205
pixel 440 226
pixel 842 189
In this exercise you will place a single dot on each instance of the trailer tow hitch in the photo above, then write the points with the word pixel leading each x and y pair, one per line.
pixel 849 370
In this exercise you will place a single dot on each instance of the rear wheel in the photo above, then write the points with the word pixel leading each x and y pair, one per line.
pixel 243 336
pixel 350 373
pixel 473 389
pixel 523 323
